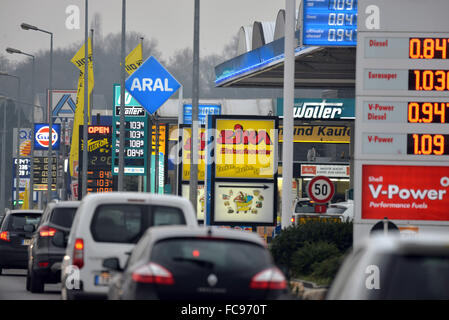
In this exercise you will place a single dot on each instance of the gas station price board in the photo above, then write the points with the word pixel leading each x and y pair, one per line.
pixel 99 144
pixel 136 128
pixel 402 98
pixel 329 22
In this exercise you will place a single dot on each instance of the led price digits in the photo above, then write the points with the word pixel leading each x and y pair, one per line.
pixel 428 80
pixel 427 112
pixel 428 48
pixel 342 4
pixel 427 144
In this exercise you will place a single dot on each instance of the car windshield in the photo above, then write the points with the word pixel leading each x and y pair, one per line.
pixel 17 221
pixel 125 223
pixel 304 206
pixel 63 216
pixel 213 254
pixel 418 277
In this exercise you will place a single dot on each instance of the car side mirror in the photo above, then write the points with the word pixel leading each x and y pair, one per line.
pixel 112 264
pixel 29 228
pixel 58 239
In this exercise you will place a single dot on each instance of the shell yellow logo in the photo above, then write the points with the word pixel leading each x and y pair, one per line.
pixel 25 148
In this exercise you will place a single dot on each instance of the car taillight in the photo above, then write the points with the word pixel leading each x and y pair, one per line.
pixel 78 253
pixel 46 231
pixel 271 279
pixel 4 236
pixel 153 273
pixel 292 220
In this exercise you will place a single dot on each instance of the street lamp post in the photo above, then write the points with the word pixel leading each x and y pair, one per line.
pixel 2 169
pixel 12 51
pixel 26 26
pixel 18 134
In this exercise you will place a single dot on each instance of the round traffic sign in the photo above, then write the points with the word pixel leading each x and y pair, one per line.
pixel 320 189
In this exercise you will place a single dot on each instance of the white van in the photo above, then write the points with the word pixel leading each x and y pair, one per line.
pixel 109 225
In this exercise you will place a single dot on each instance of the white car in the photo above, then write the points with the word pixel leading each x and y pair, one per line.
pixel 110 224
pixel 344 209
pixel 395 267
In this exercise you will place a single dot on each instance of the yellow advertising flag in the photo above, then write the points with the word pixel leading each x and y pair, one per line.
pixel 26 204
pixel 78 60
pixel 134 59
pixel 77 121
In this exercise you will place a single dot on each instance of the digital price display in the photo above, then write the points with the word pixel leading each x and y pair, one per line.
pixel 428 48
pixel 428 144
pixel 330 22
pixel 427 112
pixel 428 80
pixel 99 155
pixel 40 173
pixel 135 144
pixel 100 181
pixel 24 167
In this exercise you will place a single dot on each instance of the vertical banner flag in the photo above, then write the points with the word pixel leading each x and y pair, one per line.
pixel 26 204
pixel 78 60
pixel 134 59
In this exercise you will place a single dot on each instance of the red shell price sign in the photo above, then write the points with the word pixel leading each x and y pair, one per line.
pixel 405 192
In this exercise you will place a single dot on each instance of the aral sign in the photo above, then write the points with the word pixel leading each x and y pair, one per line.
pixel 151 85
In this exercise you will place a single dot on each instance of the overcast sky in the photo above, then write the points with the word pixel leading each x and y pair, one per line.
pixel 168 21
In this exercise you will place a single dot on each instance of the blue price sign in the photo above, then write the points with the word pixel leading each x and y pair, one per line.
pixel 330 22
pixel 203 111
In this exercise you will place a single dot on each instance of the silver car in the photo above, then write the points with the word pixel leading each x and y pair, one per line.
pixel 395 267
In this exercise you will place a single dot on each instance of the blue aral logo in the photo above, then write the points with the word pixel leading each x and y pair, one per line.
pixel 151 85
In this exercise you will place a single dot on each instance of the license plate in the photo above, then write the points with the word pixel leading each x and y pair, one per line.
pixel 26 242
pixel 102 279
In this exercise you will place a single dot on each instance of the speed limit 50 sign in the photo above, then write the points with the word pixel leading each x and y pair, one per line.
pixel 320 189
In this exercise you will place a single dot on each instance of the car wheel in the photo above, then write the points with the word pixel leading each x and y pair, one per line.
pixel 68 294
pixel 0 271
pixel 36 283
pixel 28 281
pixel 64 294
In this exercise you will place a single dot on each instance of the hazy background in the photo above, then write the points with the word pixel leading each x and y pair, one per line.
pixel 169 22
pixel 166 26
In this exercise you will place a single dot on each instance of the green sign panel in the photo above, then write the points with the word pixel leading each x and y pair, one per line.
pixel 136 126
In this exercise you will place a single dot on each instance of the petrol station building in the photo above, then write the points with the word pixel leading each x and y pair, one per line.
pixel 323 125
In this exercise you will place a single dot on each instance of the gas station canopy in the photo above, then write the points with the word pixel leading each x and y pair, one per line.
pixel 315 67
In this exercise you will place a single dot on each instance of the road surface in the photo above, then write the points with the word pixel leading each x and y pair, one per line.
pixel 12 287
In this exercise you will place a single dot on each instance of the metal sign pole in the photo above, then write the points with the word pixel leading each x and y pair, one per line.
pixel 19 124
pixel 3 167
pixel 156 157
pixel 289 90
pixel 121 160
pixel 195 96
pixel 86 101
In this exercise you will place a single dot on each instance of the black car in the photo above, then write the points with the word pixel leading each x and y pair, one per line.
pixel 197 263
pixel 48 245
pixel 16 231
